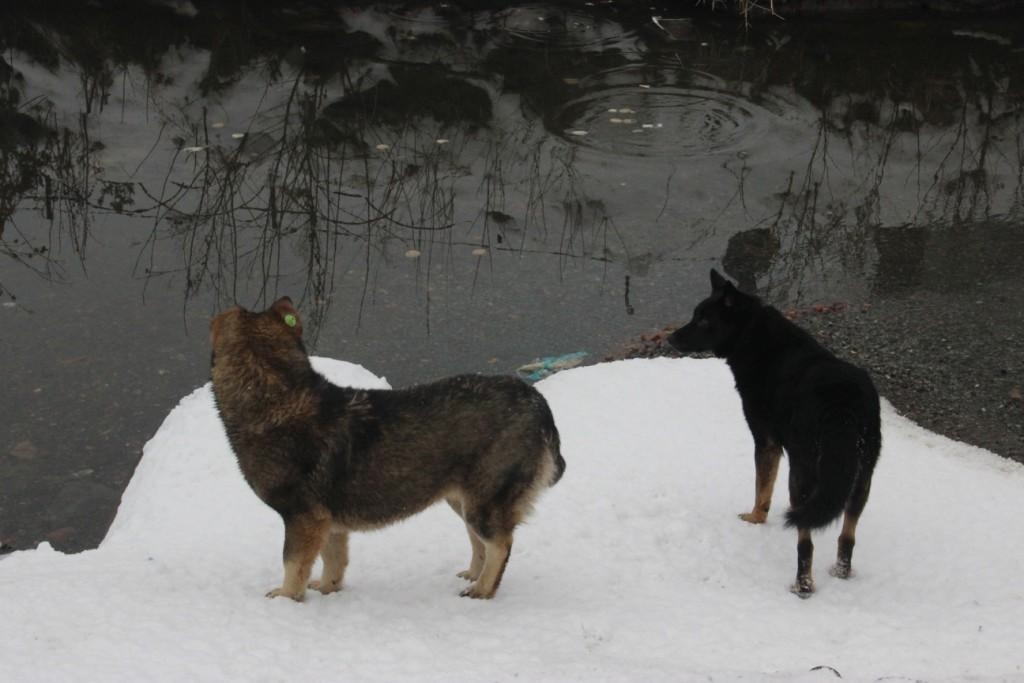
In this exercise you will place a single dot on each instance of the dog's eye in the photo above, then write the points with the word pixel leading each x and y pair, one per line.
pixel 703 323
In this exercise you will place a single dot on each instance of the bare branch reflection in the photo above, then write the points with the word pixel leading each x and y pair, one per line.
pixel 439 141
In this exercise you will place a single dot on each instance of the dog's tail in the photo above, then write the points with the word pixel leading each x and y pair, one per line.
pixel 554 449
pixel 827 500
pixel 840 461
pixel 553 446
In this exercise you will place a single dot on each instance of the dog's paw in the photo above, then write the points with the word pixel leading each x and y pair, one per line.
pixel 477 594
pixel 841 570
pixel 325 587
pixel 753 517
pixel 468 575
pixel 282 593
pixel 803 588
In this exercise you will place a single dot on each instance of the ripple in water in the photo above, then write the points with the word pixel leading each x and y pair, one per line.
pixel 660 112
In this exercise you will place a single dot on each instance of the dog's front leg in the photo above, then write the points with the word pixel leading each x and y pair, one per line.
pixel 766 465
pixel 304 535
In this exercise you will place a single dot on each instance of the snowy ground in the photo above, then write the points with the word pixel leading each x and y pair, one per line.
pixel 634 567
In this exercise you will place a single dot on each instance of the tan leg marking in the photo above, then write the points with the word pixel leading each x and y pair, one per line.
pixel 766 464
pixel 335 557
pixel 495 558
pixel 476 560
pixel 303 537
pixel 804 585
pixel 476 563
pixel 844 554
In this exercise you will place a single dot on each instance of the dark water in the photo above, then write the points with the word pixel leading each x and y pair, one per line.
pixel 447 190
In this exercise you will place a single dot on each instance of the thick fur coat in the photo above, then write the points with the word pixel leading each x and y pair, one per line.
pixel 333 459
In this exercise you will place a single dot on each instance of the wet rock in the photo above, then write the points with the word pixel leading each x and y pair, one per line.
pixel 748 255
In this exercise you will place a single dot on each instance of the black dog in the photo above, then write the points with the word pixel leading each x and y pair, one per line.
pixel 799 397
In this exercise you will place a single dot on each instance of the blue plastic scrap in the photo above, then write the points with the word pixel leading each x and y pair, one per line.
pixel 549 365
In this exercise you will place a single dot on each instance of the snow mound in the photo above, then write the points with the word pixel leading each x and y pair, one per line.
pixel 634 567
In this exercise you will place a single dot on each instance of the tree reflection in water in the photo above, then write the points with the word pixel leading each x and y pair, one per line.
pixel 425 131
pixel 403 165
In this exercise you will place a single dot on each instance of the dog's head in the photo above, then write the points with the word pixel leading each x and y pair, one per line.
pixel 273 335
pixel 717 320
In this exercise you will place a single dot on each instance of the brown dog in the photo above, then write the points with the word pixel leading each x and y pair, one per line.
pixel 332 459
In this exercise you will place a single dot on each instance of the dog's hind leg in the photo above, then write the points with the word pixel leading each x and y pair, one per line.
pixel 766 463
pixel 804 585
pixel 335 557
pixel 304 535
pixel 798 493
pixel 476 561
pixel 492 525
pixel 847 537
pixel 496 554
pixel 492 518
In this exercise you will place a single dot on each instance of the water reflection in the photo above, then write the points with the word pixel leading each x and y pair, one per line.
pixel 409 170
pixel 544 26
pixel 48 168
pixel 504 129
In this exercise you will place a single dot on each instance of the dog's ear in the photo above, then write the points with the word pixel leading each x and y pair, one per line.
pixel 285 310
pixel 728 291
pixel 719 285
pixel 729 294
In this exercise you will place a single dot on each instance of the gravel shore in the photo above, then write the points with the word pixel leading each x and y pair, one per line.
pixel 951 361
